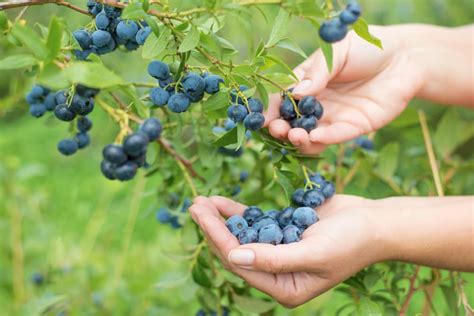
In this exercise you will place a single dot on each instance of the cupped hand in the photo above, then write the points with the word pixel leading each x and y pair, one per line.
pixel 341 243
pixel 367 88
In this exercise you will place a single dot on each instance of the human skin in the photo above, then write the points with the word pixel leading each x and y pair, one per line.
pixel 370 87
pixel 352 233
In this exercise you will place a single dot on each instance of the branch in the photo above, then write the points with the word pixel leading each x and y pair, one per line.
pixel 28 3
pixel 185 162
pixel 411 291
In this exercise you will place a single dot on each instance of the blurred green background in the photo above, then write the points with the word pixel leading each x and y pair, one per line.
pixel 96 243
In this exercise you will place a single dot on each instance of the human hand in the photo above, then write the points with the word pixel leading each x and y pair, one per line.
pixel 341 243
pixel 367 88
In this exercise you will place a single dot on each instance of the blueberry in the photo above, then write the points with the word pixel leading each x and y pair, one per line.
pixel 229 124
pixel 186 204
pixel 50 102
pixel 318 179
pixel 196 96
pixel 285 216
pixel 102 21
pixel 328 190
pixel 305 217
pixel 82 139
pixel 333 30
pixel 251 214
pixel 212 83
pixel 67 146
pixel 254 121
pixel 218 130
pixel 83 38
pixel 112 12
pixel 273 214
pixel 37 278
pixel 174 222
pixel 255 105
pixel 63 113
pixel 179 102
pixel 318 113
pixel 166 84
pixel 313 198
pixel 82 55
pixel 108 169
pixel 152 128
pixel 307 105
pixel 140 160
pixel 93 7
pixel 308 123
pixel 37 110
pixel 297 196
pixel 235 190
pixel 159 96
pixel 107 48
pixel 231 152
pixel 354 8
pixel 193 84
pixel 126 171
pixel 81 105
pixel 86 92
pixel 163 216
pixel 135 144
pixel 248 235
pixel 127 29
pixel 291 234
pixel 159 70
pixel 61 97
pixel 236 224
pixel 243 176
pixel 284 151
pixel 237 112
pixel 263 221
pixel 142 35
pixel 235 96
pixel 287 109
pixel 347 17
pixel 114 154
pixel 270 234
pixel 364 142
pixel 101 38
pixel 131 45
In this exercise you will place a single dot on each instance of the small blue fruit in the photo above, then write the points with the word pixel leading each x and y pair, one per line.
pixel 61 97
pixel 333 30
pixel 126 171
pixel 229 124
pixel 101 38
pixel 235 96
pixel 328 190
pixel 291 234
pixel 84 124
pixel 235 190
pixel 270 234
pixel 251 214
pixel 297 196
pixel 112 12
pixel 347 17
pixel 364 142
pixel 163 215
pixel 108 169
pixel 37 110
pixel 81 105
pixel 166 84
pixel 307 105
pixel 174 222
pixel 82 139
pixel 142 35
pixel 254 121
pixel 308 123
pixel 186 204
pixel 135 144
pixel 285 216
pixel 354 8
pixel 83 38
pixel 287 109
pixel 63 113
pixel 193 84
pixel 159 96
pixel 179 102
pixel 86 92
pixel 273 214
pixel 140 160
pixel 107 48
pixel 102 21
pixel 263 221
pixel 237 112
pixel 196 96
pixel 218 130
pixel 127 29
pixel 255 105
pixel 67 146
pixel 248 235
pixel 114 154
pixel 313 198
pixel 212 83
pixel 131 45
pixel 159 70
pixel 305 217
pixel 318 179
pixel 152 128
pixel 243 176
pixel 37 278
pixel 235 224
pixel 50 102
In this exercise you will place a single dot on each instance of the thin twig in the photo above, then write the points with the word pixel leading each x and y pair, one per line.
pixel 13 5
pixel 411 291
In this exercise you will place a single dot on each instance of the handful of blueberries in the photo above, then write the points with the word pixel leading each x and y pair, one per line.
pixel 303 113
pixel 285 226
pixel 335 29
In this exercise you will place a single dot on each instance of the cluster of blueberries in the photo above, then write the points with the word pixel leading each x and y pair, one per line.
pixel 303 113
pixel 178 96
pixel 110 33
pixel 285 226
pixel 334 30
pixel 165 216
pixel 202 312
pixel 247 110
pixel 121 162
pixel 66 105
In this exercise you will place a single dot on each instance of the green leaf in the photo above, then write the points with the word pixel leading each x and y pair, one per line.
pixel 288 43
pixel 228 138
pixel 155 45
pixel 31 40
pixel 451 132
pixel 17 62
pixel 93 75
pixel 368 307
pixel 53 76
pixel 216 101
pixel 171 280
pixel 262 92
pixel 211 44
pixel 362 29
pixel 280 26
pixel 152 24
pixel 252 305
pixel 200 276
pixel 388 160
pixel 450 296
pixel 190 40
pixel 56 27
pixel 3 21
pixel 327 52
pixel 282 64
pixel 133 11
pixel 240 135
pixel 304 8
pixel 285 183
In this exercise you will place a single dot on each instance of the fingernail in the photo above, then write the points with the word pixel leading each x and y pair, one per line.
pixel 302 86
pixel 242 257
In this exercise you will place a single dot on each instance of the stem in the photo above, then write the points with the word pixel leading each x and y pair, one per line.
pixel 188 178
pixel 186 163
pixel 306 177
pixel 411 291
pixel 145 84
pixel 13 5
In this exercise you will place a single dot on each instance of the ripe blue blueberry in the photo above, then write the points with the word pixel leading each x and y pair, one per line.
pixel 307 105
pixel 235 96
pixel 83 38
pixel 347 17
pixel 142 35
pixel 37 278
pixel 248 235
pixel 235 224
pixel 37 91
pixel 305 217
pixel 67 146
pixel 195 96
pixel 235 190
pixel 140 160
pixel 126 171
pixel 193 84
pixel 212 83
pixel 333 30
pixel 364 142
pixel 328 190
pixel 243 176
pixel 297 196
pixel 50 102
pixel 270 234
pixel 174 222
pixel 254 121
pixel 159 96
pixel 354 8
pixel 179 102
pixel 273 214
pixel 127 29
pixel 63 113
pixel 308 122
pixel 112 12
pixel 135 144
pixel 102 21
pixel 263 221
pixel 166 84
pixel 186 204
pixel 231 152
pixel 152 128
pixel 285 216
pixel 61 97
pixel 229 124
pixel 37 110
pixel 114 154
pixel 251 214
pixel 108 169
pixel 287 109
pixel 93 7
pixel 107 48
pixel 313 198
pixel 131 45
pixel 101 38
pixel 81 105
pixel 237 112
pixel 163 215
pixel 291 234
pixel 255 105
pixel 159 70
pixel 218 130
pixel 82 139
pixel 86 92
pixel 84 124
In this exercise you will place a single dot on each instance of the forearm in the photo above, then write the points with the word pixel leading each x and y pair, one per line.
pixel 444 58
pixel 436 232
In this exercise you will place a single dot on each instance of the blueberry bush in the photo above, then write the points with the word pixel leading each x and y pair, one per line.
pixel 165 99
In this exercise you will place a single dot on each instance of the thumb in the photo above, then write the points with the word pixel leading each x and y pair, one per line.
pixel 272 259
